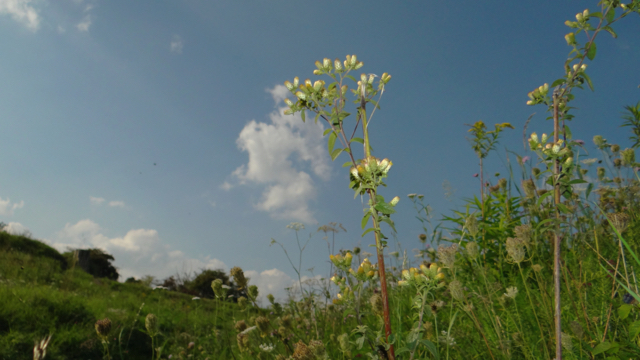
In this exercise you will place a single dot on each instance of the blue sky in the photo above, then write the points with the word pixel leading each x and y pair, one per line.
pixel 155 129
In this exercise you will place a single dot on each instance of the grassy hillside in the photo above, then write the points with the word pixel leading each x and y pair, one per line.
pixel 40 295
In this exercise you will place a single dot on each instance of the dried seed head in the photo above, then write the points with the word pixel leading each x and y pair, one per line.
pixel 103 327
pixel 302 352
pixel 151 323
pixel 455 287
pixel 617 162
pixel 471 223
pixel 472 250
pixel 243 342
pixel 615 148
pixel 515 248
pixel 263 324
pixel 317 348
pixel 619 220
pixel 523 232
pixel 628 157
pixel 238 277
pixel 600 172
pixel 241 326
pixel 447 255
pixel 422 237
pixel 502 183
pixel 529 188
pixel 599 141
pixel 376 304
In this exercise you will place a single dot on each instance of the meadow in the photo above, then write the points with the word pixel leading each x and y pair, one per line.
pixel 540 264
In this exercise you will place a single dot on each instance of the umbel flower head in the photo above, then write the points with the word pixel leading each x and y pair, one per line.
pixel 447 254
pixel 103 327
pixel 515 248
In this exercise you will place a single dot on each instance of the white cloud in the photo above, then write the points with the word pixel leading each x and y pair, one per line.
pixel 96 200
pixel 22 12
pixel 279 93
pixel 61 30
pixel 83 26
pixel 15 228
pixel 226 186
pixel 282 155
pixel 139 252
pixel 7 208
pixel 176 44
pixel 116 204
pixel 272 281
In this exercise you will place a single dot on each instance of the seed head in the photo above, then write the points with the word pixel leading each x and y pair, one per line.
pixel 455 287
pixel 515 248
pixel 471 223
pixel 271 298
pixel 472 249
pixel 599 141
pixel 151 323
pixel 302 352
pixel 238 277
pixel 263 324
pixel 628 156
pixel 523 232
pixel 615 148
pixel 601 173
pixel 376 304
pixel 242 302
pixel 619 220
pixel 241 326
pixel 529 188
pixel 243 341
pixel 617 162
pixel 447 254
pixel 103 327
pixel 422 237
pixel 252 291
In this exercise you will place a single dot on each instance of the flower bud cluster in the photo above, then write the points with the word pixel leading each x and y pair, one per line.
pixel 423 275
pixel 366 271
pixel 538 95
pixel 342 262
pixel 369 173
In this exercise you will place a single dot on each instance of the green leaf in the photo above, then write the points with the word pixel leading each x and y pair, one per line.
pixel 567 132
pixel 624 310
pixel 335 153
pixel 542 223
pixel 367 231
pixel 596 14
pixel 357 139
pixel 591 52
pixel 586 77
pixel 317 116
pixel 589 188
pixel 303 115
pixel 432 348
pixel 546 195
pixel 327 131
pixel 365 219
pixel 347 164
pixel 577 181
pixel 634 329
pixel 611 14
pixel 610 31
pixel 563 208
pixel 558 82
pixel 352 78
pixel 385 208
pixel 332 141
pixel 600 348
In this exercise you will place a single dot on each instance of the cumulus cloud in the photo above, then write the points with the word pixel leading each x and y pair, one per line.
pixel 139 252
pixel 272 281
pixel 176 44
pixel 22 12
pixel 116 204
pixel 7 208
pixel 83 26
pixel 226 186
pixel 96 200
pixel 283 156
pixel 15 228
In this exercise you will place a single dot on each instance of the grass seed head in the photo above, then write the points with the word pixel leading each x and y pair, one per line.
pixel 151 323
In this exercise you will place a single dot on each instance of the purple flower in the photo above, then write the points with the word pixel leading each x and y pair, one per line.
pixel 475 175
pixel 525 159
pixel 636 169
pixel 579 142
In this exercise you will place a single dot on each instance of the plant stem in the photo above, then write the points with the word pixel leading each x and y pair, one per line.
pixel 556 252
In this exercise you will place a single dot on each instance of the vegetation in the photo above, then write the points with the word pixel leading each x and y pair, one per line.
pixel 538 267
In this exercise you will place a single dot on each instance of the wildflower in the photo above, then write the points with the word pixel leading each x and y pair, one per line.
pixel 471 223
pixel 241 326
pixel 447 254
pixel 40 348
pixel 238 277
pixel 472 250
pixel 302 352
pixel 267 348
pixel 103 327
pixel 446 339
pixel 455 287
pixel 296 226
pixel 515 248
pixel 151 323
pixel 263 324
pixel 523 232
pixel 511 292
pixel 411 196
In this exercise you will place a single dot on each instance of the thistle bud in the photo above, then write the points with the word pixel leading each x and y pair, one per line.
pixel 544 138
pixel 326 64
pixel 295 82
pixel 394 201
pixel 353 60
pixel 359 64
pixel 318 85
pixel 289 85
pixel 301 95
pixel 338 65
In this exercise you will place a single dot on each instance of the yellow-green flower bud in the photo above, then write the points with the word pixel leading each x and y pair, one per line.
pixel 238 276
pixel 317 72
pixel 319 65
pixel 623 6
pixel 570 38
pixel 534 137
pixel 295 82
pixel 338 65
pixel 555 148
pixel 583 67
pixel 385 78
pixel 363 78
pixel 579 17
pixel 326 64
pixel 394 201
pixel 544 138
pixel 301 95
pixel 353 60
pixel 289 85
pixel 288 102
pixel 585 14
pixel 370 79
pixel 318 85
pixel 568 162
pixel 615 148
pixel 358 65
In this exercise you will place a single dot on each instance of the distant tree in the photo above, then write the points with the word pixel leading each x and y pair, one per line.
pixel 100 263
pixel 132 280
pixel 3 225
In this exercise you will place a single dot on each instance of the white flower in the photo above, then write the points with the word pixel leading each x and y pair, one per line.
pixel 195 298
pixel 511 292
pixel 267 348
